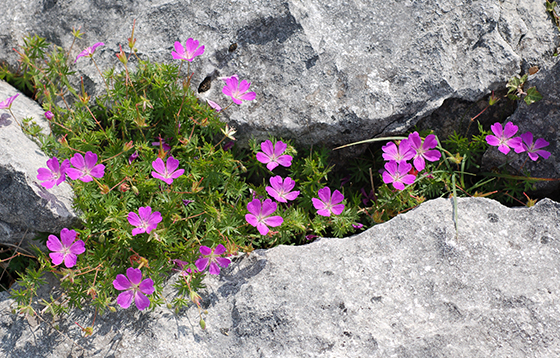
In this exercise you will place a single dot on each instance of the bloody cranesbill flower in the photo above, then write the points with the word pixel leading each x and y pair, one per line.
pixel 67 250
pixel 161 142
pixel 502 137
pixel 189 52
pixel 533 149
pixel 7 103
pixel 145 222
pixel 133 157
pixel 134 288
pixel 238 91
pixel 368 197
pixel 423 149
pixel 327 204
pixel 281 189
pixel 397 173
pixel 357 225
pixel 271 155
pixel 213 258
pixel 167 172
pixel 401 153
pixel 49 115
pixel 89 51
pixel 56 173
pixel 85 169
pixel 259 216
pixel 184 271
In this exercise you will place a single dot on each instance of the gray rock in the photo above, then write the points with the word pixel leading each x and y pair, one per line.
pixel 406 288
pixel 26 207
pixel 542 119
pixel 322 72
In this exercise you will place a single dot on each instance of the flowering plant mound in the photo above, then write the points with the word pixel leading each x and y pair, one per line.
pixel 158 186
pixel 149 157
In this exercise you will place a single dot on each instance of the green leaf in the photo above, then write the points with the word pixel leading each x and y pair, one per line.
pixel 532 96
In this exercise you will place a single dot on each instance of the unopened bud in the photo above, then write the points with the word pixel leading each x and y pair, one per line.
pixel 112 309
pixel 135 190
pixel 202 324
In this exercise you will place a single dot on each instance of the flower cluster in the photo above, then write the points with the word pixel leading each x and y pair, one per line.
pixel 504 139
pixel 280 189
pixel 84 169
pixel 397 170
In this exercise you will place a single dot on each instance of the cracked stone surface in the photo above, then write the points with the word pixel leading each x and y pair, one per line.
pixel 26 207
pixel 411 287
pixel 323 73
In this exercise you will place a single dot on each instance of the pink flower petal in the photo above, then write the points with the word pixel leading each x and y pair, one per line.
pixel 214 269
pixel 201 263
pixel 142 302
pixel 77 248
pixel 54 244
pixel 134 219
pixel 56 258
pixel 147 286
pixel 134 275
pixel 263 229
pixel 205 250
pixel 121 283
pixel 220 249
pixel 70 260
pixel 125 299
pixel 67 237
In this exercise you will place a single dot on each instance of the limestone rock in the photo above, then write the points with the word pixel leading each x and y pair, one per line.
pixel 410 287
pixel 541 118
pixel 26 207
pixel 323 73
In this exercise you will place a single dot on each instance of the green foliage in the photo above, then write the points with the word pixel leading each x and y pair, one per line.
pixel 208 203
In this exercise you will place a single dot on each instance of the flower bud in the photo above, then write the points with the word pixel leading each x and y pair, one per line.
pixel 202 324
pixel 112 309
pixel 135 190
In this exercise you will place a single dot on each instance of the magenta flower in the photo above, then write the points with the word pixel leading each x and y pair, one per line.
pixel 357 225
pixel 134 288
pixel 133 157
pixel 281 189
pixel 214 105
pixel 161 142
pixel 238 91
pixel 327 204
pixel 259 216
pixel 502 138
pixel 399 154
pixel 85 169
pixel 49 115
pixel 271 155
pixel 397 173
pixel 167 172
pixel 56 173
pixel 7 103
pixel 145 222
pixel 67 250
pixel 88 52
pixel 368 197
pixel 213 258
pixel 184 271
pixel 533 149
pixel 189 52
pixel 423 149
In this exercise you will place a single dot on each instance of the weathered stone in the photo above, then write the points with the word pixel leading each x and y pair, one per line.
pixel 410 287
pixel 323 73
pixel 541 118
pixel 26 207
